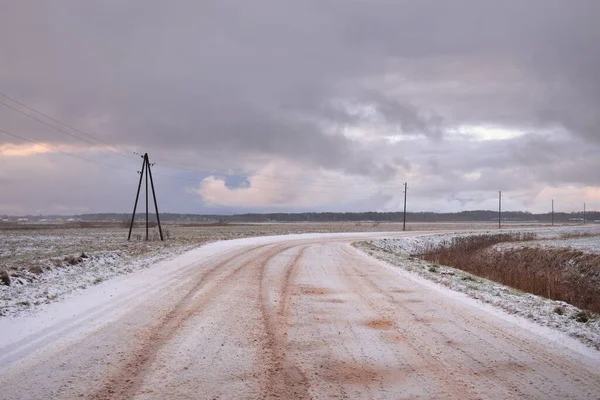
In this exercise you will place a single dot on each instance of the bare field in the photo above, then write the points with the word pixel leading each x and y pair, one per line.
pixel 42 263
pixel 24 244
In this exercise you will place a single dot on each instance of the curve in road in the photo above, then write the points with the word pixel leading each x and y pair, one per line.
pixel 292 317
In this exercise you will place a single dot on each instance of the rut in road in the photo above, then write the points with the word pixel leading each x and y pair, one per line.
pixel 299 318
pixel 284 379
pixel 385 309
pixel 127 379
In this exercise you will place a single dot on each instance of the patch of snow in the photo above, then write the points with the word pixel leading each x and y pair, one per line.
pixel 30 291
pixel 585 244
pixel 550 236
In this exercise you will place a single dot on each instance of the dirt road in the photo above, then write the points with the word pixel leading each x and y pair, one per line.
pixel 289 317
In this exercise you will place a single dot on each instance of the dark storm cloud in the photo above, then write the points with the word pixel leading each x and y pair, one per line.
pixel 285 79
pixel 192 65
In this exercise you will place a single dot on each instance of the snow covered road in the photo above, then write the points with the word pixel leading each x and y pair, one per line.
pixel 299 316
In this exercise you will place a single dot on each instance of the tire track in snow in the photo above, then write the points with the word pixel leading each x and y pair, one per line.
pixel 428 350
pixel 282 378
pixel 32 343
pixel 127 379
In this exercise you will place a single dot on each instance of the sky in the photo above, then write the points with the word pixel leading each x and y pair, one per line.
pixel 312 105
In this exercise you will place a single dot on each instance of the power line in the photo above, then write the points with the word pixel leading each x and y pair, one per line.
pixel 283 190
pixel 58 122
pixel 45 123
pixel 225 172
pixel 196 168
pixel 64 152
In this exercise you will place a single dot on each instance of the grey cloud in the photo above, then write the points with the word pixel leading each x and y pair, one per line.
pixel 260 79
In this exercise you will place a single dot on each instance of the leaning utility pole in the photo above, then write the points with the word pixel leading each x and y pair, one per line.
pixel 405 190
pixel 146 169
pixel 500 209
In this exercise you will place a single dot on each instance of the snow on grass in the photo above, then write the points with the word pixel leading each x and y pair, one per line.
pixel 550 313
pixel 548 237
pixel 31 290
pixel 585 244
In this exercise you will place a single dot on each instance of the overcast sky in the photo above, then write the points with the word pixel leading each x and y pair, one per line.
pixel 300 105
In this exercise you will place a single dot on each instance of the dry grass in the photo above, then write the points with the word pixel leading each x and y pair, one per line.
pixel 4 277
pixel 560 274
pixel 461 246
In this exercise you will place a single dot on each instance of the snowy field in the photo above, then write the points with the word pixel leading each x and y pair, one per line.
pixel 45 263
pixel 401 253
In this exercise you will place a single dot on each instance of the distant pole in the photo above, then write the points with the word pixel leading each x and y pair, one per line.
pixel 500 209
pixel 584 213
pixel 405 190
pixel 552 212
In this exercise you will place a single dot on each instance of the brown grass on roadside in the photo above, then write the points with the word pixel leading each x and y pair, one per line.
pixel 559 274
pixel 460 246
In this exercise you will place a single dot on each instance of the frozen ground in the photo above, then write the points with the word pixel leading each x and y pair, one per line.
pixel 44 262
pixel 590 244
pixel 30 290
pixel 551 237
pixel 288 317
pixel 400 252
pixel 45 265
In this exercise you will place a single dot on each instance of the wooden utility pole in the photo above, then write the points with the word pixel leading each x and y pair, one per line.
pixel 148 167
pixel 146 170
pixel 155 203
pixel 405 190
pixel 584 213
pixel 552 212
pixel 137 196
pixel 500 209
